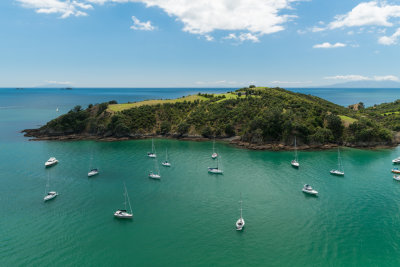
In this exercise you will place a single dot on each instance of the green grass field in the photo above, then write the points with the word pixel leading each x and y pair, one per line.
pixel 121 107
pixel 347 120
pixel 390 113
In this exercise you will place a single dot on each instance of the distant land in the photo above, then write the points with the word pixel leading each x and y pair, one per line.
pixel 254 117
pixel 362 84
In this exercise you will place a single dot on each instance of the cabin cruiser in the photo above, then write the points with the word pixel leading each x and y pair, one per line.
pixel 309 190
pixel 123 214
pixel 93 172
pixel 50 162
pixel 396 161
pixel 50 195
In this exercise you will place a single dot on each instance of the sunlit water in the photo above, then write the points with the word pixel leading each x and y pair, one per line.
pixel 187 218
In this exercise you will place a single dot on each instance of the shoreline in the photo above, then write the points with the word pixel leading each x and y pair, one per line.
pixel 234 141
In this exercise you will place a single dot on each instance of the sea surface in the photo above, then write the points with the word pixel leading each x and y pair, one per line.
pixel 188 218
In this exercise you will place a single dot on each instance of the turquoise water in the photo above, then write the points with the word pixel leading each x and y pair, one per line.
pixel 188 218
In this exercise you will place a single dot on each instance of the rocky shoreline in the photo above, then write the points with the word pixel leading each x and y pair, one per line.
pixel 235 141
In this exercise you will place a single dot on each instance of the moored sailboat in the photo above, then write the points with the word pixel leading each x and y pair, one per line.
pixel 295 162
pixel 166 163
pixel 214 155
pixel 152 154
pixel 240 222
pixel 215 170
pixel 49 194
pixel 123 213
pixel 156 173
pixel 339 171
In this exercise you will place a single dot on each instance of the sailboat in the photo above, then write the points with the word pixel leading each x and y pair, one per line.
pixel 339 171
pixel 166 163
pixel 216 170
pixel 295 163
pixel 214 154
pixel 49 194
pixel 152 154
pixel 156 174
pixel 93 171
pixel 124 214
pixel 240 222
pixel 57 109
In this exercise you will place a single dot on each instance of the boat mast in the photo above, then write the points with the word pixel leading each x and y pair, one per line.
pixel 152 145
pixel 166 155
pixel 125 196
pixel 339 161
pixel 295 149
pixel 129 202
pixel 241 205
pixel 214 145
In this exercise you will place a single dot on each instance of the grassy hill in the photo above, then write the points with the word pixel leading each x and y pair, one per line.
pixel 257 115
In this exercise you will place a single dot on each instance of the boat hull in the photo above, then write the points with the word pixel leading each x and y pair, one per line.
pixel 123 215
pixel 240 225
pixel 396 177
pixel 396 171
pixel 50 197
pixel 166 164
pixel 91 174
pixel 215 171
pixel 337 173
pixel 154 176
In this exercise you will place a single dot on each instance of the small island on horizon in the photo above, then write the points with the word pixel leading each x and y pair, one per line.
pixel 252 117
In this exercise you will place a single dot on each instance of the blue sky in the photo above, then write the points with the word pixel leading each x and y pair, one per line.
pixel 202 43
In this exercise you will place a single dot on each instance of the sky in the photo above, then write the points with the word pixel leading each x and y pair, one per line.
pixel 197 43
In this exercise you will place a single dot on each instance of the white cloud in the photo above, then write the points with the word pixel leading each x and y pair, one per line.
pixel 254 17
pixel 64 8
pixel 57 83
pixel 390 40
pixel 242 37
pixel 317 29
pixel 205 16
pixel 329 45
pixel 362 78
pixel 367 14
pixel 141 26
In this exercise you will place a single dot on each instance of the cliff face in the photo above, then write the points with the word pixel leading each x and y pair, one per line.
pixel 256 116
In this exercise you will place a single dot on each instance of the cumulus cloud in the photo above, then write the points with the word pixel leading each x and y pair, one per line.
pixel 253 17
pixel 367 14
pixel 141 26
pixel 243 37
pixel 64 8
pixel 363 78
pixel 329 45
pixel 390 40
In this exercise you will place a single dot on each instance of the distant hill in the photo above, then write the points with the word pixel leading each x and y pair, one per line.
pixel 364 84
pixel 262 118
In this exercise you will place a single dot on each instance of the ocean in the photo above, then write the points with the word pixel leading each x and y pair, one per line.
pixel 188 218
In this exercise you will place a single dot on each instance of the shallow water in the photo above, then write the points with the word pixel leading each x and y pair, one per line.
pixel 188 218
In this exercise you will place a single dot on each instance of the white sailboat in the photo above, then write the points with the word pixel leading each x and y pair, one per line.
pixel 216 170
pixel 152 154
pixel 93 171
pixel 240 222
pixel 156 173
pixel 166 163
pixel 295 163
pixel 214 155
pixel 396 177
pixel 57 109
pixel 49 194
pixel 339 171
pixel 123 213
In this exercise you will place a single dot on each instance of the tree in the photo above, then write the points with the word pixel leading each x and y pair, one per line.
pixel 252 86
pixel 165 127
pixel 183 128
pixel 335 125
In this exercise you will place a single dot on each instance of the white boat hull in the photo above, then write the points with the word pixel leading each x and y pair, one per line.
pixel 214 155
pixel 50 196
pixel 295 164
pixel 240 224
pixel 396 171
pixel 92 173
pixel 154 176
pixel 396 161
pixel 215 171
pixel 52 163
pixel 123 215
pixel 310 192
pixel 151 155
pixel 166 164
pixel 396 177
pixel 337 172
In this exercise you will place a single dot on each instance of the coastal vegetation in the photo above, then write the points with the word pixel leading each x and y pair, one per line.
pixel 253 115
